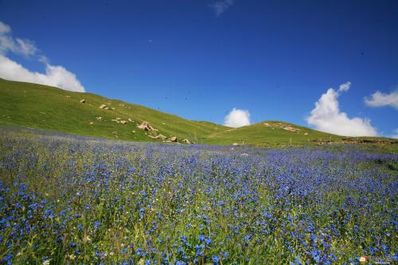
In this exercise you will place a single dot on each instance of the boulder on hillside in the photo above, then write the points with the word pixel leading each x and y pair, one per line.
pixel 146 126
pixel 83 100
pixel 186 141
pixel 123 122
pixel 173 139
pixel 103 106
pixel 291 129
pixel 159 136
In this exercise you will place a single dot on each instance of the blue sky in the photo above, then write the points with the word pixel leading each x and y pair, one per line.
pixel 200 59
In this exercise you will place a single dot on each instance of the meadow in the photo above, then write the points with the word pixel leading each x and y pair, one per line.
pixel 78 200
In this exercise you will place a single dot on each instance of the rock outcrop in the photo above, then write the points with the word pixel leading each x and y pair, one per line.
pixel 104 106
pixel 146 127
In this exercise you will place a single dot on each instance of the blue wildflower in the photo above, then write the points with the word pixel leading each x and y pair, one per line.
pixel 215 259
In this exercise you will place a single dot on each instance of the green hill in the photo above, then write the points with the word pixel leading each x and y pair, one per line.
pixel 44 107
pixel 271 133
pixel 38 106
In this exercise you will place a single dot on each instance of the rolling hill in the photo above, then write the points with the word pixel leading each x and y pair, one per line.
pixel 44 107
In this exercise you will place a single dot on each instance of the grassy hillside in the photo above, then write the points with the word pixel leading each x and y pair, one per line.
pixel 44 107
pixel 271 133
pixel 39 106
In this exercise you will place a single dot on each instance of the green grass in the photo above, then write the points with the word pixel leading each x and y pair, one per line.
pixel 49 108
pixel 271 133
pixel 44 107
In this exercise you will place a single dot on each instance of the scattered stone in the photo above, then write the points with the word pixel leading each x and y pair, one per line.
pixel 133 131
pixel 83 100
pixel 103 106
pixel 99 118
pixel 306 133
pixel 91 123
pixel 267 124
pixel 291 129
pixel 123 122
pixel 235 144
pixel 146 127
pixel 173 139
pixel 159 136
pixel 186 141
pixel 130 120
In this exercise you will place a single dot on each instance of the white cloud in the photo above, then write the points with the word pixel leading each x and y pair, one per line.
pixel 380 99
pixel 327 116
pixel 26 47
pixel 345 87
pixel 237 118
pixel 54 75
pixel 219 7
pixel 18 46
pixel 4 28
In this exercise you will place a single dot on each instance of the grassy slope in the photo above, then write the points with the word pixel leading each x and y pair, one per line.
pixel 39 106
pixel 44 107
pixel 271 133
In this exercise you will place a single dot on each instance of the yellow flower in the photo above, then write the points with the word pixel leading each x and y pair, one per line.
pixel 87 238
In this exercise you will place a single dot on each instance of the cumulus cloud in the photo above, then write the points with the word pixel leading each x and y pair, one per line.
pixel 380 99
pixel 237 118
pixel 219 7
pixel 54 75
pixel 327 116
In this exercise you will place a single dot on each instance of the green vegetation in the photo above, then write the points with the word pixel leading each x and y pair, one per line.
pixel 44 107
pixel 39 106
pixel 80 200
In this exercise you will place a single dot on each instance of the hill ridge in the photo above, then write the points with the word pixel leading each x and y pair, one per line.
pixel 88 114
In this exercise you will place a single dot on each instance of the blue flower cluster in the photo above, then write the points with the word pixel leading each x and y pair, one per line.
pixel 73 200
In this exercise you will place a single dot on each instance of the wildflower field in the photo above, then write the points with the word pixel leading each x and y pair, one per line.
pixel 74 200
